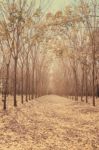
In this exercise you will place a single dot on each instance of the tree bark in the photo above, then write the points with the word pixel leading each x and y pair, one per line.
pixel 82 86
pixel 15 82
pixel 86 85
pixel 6 87
pixel 26 94
pixel 76 86
pixel 93 52
pixel 22 85
pixel 32 82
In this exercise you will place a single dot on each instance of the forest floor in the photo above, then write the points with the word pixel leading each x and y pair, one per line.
pixel 50 123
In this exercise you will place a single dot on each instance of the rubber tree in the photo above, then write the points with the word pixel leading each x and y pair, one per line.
pixel 89 13
pixel 6 51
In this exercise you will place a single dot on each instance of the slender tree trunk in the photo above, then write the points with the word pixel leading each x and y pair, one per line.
pixel 93 88
pixel 6 87
pixel 76 86
pixel 36 84
pixel 93 52
pixel 86 85
pixel 32 82
pixel 29 85
pixel 22 84
pixel 26 80
pixel 82 86
pixel 15 81
pixel 93 74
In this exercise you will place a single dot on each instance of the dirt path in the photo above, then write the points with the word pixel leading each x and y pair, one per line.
pixel 50 123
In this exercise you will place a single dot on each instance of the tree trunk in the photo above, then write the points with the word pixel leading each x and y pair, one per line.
pixel 93 52
pixel 22 84
pixel 36 86
pixel 26 80
pixel 29 85
pixel 15 82
pixel 93 87
pixel 86 85
pixel 76 86
pixel 82 86
pixel 32 83
pixel 6 87
pixel 93 74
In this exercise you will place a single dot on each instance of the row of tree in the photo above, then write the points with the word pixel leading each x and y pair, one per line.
pixel 75 33
pixel 22 50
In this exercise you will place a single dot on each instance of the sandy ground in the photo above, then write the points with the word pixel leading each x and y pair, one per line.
pixel 50 123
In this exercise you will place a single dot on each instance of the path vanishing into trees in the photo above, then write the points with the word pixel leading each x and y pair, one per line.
pixel 50 123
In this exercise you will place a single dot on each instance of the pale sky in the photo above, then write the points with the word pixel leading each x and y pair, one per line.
pixel 60 4
pixel 57 4
pixel 54 6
